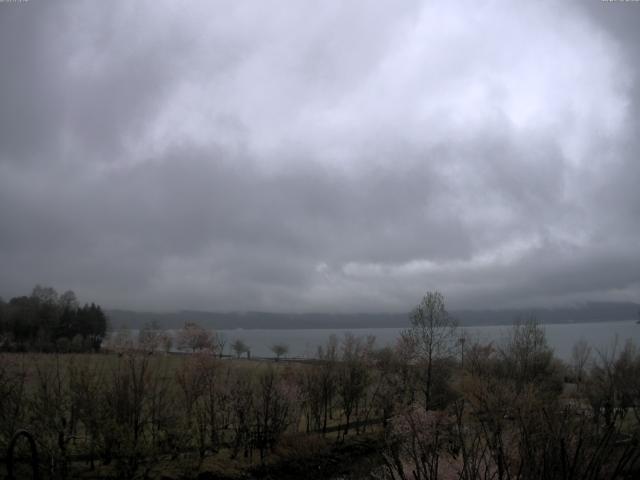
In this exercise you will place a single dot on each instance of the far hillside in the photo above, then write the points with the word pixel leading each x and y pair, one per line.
pixel 587 312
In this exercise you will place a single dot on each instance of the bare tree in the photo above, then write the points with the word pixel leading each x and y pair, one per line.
pixel 126 401
pixel 416 445
pixel 45 295
pixel 166 341
pixel 527 355
pixel 354 376
pixel 280 349
pixel 328 356
pixel 204 391
pixel 241 396
pixel 433 334
pixel 580 355
pixel 13 404
pixel 310 390
pixel 87 385
pixel 150 337
pixel 69 300
pixel 219 341
pixel 272 407
pixel 240 347
pixel 195 338
pixel 54 418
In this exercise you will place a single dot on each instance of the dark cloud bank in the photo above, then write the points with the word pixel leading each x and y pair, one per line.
pixel 320 156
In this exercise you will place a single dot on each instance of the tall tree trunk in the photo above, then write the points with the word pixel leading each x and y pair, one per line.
pixel 427 393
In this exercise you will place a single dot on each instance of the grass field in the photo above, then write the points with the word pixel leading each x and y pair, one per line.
pixel 70 403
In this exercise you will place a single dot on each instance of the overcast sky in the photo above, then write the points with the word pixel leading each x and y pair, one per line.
pixel 320 156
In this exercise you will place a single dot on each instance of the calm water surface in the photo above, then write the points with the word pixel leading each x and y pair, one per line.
pixel 304 342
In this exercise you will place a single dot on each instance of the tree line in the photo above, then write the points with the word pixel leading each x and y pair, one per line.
pixel 46 321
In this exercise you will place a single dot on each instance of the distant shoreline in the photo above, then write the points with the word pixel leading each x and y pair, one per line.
pixel 592 312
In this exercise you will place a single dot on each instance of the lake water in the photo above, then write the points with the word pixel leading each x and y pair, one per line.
pixel 562 337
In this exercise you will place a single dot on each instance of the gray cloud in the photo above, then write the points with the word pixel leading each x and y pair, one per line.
pixel 297 157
